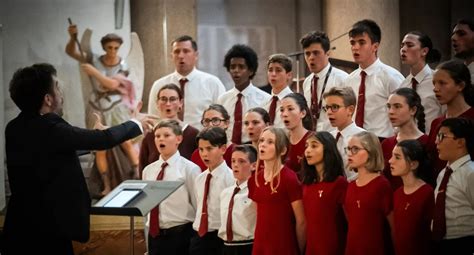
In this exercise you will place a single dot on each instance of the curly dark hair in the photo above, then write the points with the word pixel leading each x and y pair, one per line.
pixel 245 52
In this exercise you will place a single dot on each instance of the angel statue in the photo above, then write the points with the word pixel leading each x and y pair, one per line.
pixel 110 90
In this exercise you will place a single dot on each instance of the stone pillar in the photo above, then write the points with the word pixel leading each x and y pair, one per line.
pixel 340 15
pixel 157 23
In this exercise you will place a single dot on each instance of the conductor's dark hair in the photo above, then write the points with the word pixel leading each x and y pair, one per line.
pixel 216 136
pixel 367 26
pixel 185 38
pixel 245 52
pixel 316 37
pixel 29 85
pixel 110 38
pixel 332 160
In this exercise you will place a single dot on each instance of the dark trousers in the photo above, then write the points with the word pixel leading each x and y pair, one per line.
pixel 458 246
pixel 174 240
pixel 237 249
pixel 209 244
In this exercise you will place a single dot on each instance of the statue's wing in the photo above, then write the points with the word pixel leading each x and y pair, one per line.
pixel 85 79
pixel 136 65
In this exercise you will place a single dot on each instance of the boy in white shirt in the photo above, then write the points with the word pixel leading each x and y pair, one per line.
pixel 212 144
pixel 238 212
pixel 170 224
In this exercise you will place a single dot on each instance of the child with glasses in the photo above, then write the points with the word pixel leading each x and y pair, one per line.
pixel 324 189
pixel 215 116
pixel 281 226
pixel 414 201
pixel 406 113
pixel 368 202
pixel 339 108
pixel 169 103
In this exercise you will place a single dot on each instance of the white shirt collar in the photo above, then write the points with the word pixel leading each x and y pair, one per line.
pixel 459 162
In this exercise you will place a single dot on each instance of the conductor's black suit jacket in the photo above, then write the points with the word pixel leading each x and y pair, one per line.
pixel 49 194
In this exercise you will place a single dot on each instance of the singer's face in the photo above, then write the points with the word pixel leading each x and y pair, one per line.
pixel 363 49
pixel 316 58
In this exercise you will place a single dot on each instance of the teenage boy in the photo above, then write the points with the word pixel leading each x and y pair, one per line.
pixel 339 108
pixel 323 76
pixel 373 81
pixel 238 212
pixel 453 219
pixel 212 144
pixel 170 224
pixel 241 62
pixel 279 75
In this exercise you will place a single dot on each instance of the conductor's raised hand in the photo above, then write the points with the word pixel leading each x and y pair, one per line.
pixel 148 121
pixel 72 30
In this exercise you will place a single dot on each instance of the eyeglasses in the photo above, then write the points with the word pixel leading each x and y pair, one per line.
pixel 353 150
pixel 440 137
pixel 168 99
pixel 214 122
pixel 333 107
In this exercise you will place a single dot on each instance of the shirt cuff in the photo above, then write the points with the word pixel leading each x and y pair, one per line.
pixel 138 123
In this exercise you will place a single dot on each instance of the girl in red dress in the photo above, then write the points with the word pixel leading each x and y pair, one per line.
pixel 296 116
pixel 407 114
pixel 453 88
pixel 413 203
pixel 215 116
pixel 324 189
pixel 368 202
pixel 281 226
pixel 170 102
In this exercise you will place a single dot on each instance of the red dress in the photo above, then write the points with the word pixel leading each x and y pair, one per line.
pixel 412 220
pixel 149 153
pixel 367 208
pixel 326 226
pixel 196 158
pixel 296 153
pixel 439 164
pixel 387 147
pixel 275 232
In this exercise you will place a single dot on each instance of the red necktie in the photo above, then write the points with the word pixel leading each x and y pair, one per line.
pixel 237 130
pixel 203 225
pixel 154 214
pixel 230 233
pixel 413 83
pixel 338 136
pixel 272 110
pixel 359 119
pixel 314 100
pixel 182 82
pixel 439 214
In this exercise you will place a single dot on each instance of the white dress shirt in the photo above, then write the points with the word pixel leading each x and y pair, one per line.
pixel 244 213
pixel 222 178
pixel 251 97
pixel 459 198
pixel 433 108
pixel 336 79
pixel 180 207
pixel 266 105
pixel 342 143
pixel 380 82
pixel 201 90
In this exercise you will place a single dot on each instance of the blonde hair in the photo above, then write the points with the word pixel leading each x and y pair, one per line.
pixel 371 143
pixel 281 147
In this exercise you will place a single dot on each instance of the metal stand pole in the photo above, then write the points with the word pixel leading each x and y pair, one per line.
pixel 298 74
pixel 132 233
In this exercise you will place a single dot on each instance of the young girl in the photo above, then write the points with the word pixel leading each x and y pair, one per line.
pixel 215 116
pixel 368 203
pixel 297 119
pixel 413 203
pixel 405 113
pixel 417 51
pixel 453 88
pixel 170 103
pixel 255 120
pixel 280 227
pixel 324 189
